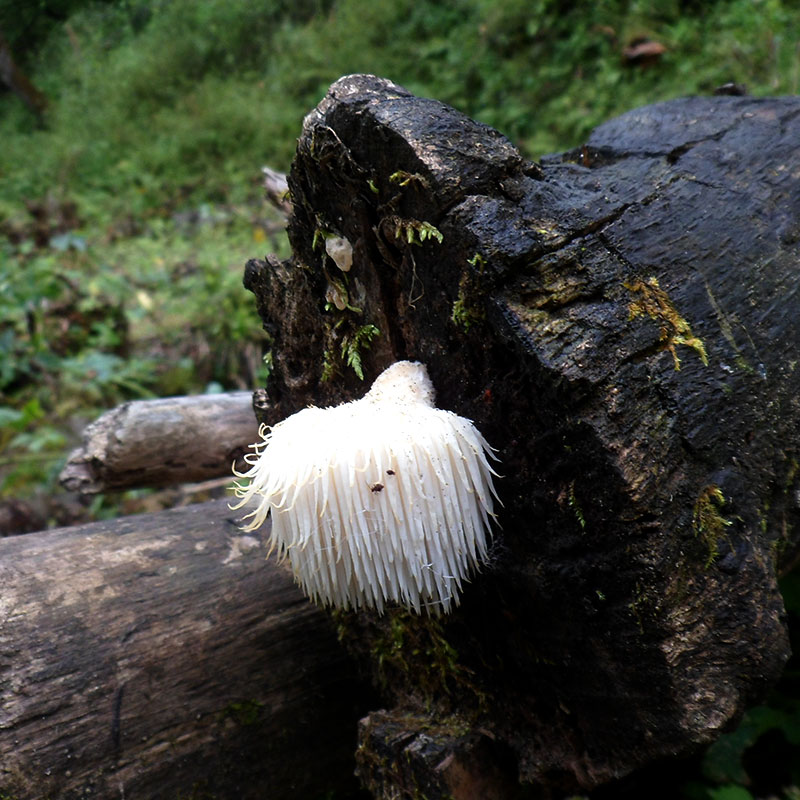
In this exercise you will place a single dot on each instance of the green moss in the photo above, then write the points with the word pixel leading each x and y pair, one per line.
pixel 763 517
pixel 415 649
pixel 791 474
pixel 577 510
pixel 467 308
pixel 464 314
pixel 244 712
pixel 320 235
pixel 328 366
pixel 413 231
pixel 708 523
pixel 652 301
pixel 478 263
pixel 346 336
pixel 403 178
pixel 353 344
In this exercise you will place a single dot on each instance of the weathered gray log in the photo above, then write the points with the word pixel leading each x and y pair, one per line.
pixel 622 323
pixel 163 656
pixel 277 190
pixel 152 443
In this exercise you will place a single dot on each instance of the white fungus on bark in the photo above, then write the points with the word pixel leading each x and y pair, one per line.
pixel 386 499
pixel 341 251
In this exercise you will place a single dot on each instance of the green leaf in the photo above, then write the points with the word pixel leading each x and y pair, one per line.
pixel 10 417
pixel 730 793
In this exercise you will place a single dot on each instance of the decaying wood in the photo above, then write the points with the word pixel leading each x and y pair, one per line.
pixel 163 656
pixel 621 323
pixel 277 190
pixel 151 443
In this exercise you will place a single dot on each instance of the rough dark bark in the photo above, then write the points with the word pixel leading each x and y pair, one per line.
pixel 621 322
pixel 162 442
pixel 163 656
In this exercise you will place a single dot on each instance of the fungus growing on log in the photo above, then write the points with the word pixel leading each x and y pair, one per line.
pixel 384 499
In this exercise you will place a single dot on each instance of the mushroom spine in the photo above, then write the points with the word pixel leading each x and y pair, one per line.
pixel 386 499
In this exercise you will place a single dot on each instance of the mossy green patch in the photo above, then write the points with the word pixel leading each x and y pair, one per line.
pixel 414 231
pixel 354 343
pixel 652 301
pixel 468 307
pixel 575 505
pixel 403 178
pixel 707 521
pixel 415 652
pixel 243 712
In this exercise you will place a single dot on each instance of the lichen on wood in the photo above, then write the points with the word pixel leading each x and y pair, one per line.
pixel 673 330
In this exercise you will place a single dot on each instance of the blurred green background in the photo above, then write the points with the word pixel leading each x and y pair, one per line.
pixel 130 202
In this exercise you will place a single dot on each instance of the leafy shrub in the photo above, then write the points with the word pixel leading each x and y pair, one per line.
pixel 162 111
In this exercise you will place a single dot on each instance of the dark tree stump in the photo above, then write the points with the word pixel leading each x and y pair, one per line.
pixel 621 322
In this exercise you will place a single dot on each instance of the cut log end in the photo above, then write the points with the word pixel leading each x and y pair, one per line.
pixel 156 443
pixel 588 316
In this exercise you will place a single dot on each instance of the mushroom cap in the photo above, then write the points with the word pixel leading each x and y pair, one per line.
pixel 384 499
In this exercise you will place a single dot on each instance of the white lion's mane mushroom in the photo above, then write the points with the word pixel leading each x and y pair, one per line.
pixel 385 499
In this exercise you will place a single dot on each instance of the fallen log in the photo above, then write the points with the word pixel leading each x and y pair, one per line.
pixel 162 656
pixel 163 442
pixel 277 190
pixel 621 323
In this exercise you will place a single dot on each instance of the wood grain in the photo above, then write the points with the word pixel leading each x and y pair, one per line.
pixel 163 656
pixel 154 443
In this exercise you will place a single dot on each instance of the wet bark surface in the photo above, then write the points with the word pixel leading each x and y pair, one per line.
pixel 621 323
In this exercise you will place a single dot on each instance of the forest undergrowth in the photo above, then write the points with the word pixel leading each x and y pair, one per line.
pixel 129 206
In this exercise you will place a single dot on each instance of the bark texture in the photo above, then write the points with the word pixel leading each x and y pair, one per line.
pixel 163 656
pixel 621 322
pixel 162 442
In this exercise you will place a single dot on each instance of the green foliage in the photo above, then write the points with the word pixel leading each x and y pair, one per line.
pixel 353 344
pixel 90 320
pixel 244 712
pixel 723 761
pixel 176 99
pixel 730 793
pixel 707 521
pixel 413 231
pixel 403 178
pixel 418 646
pixel 577 510
pixel 164 111
pixel 129 212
